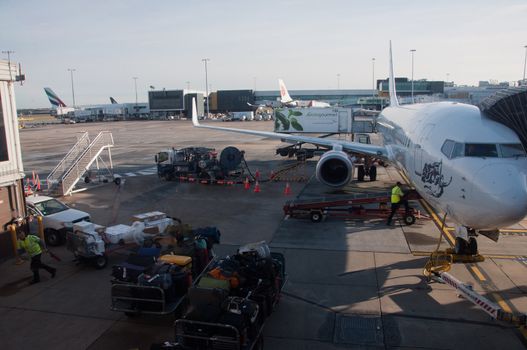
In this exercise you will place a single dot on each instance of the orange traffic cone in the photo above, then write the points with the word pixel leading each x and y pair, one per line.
pixel 256 187
pixel 246 184
pixel 257 174
pixel 287 190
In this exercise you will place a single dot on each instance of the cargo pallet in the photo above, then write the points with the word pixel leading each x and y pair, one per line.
pixel 350 207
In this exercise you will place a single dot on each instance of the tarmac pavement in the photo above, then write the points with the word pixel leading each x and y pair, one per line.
pixel 351 283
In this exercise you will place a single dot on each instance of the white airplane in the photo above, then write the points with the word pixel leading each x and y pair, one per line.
pixel 287 101
pixel 58 106
pixel 458 159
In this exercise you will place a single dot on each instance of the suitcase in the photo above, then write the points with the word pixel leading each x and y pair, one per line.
pixel 210 282
pixel 126 272
pixel 180 260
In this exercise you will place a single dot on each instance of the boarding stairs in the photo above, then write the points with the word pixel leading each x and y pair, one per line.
pixel 78 160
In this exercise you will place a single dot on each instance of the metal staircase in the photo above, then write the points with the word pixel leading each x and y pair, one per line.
pixel 78 160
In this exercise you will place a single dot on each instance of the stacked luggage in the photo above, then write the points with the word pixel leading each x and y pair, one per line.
pixel 229 303
pixel 148 282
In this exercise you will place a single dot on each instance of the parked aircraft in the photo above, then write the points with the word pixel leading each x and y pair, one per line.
pixel 287 101
pixel 58 106
pixel 458 159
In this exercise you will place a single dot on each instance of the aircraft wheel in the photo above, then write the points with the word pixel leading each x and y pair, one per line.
pixel 316 216
pixel 360 173
pixel 373 173
pixel 473 246
pixel 461 246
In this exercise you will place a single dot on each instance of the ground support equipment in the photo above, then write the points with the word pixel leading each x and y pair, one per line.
pixel 224 314
pixel 491 308
pixel 358 206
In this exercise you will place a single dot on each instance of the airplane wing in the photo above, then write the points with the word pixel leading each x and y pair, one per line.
pixel 366 149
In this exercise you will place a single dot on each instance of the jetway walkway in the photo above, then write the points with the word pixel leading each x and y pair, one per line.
pixel 78 160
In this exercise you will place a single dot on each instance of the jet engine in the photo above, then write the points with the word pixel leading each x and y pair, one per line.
pixel 335 169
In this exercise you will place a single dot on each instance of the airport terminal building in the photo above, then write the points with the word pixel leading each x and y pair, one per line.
pixel 12 202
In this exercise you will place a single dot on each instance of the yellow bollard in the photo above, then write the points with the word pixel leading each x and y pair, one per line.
pixel 40 228
pixel 12 231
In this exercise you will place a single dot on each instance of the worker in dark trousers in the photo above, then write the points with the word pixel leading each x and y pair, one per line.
pixel 32 245
pixel 397 199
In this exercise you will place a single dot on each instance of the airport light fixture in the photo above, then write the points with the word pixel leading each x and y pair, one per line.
pixel 412 51
pixel 373 76
pixel 188 85
pixel 71 70
pixel 338 81
pixel 205 60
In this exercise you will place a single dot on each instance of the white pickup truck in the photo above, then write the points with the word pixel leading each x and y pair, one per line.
pixel 57 217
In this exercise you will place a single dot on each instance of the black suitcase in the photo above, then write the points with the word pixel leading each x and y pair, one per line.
pixel 126 272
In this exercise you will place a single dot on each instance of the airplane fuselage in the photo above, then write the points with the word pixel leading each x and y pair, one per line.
pixel 430 144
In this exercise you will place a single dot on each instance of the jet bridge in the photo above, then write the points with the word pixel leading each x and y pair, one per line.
pixel 509 107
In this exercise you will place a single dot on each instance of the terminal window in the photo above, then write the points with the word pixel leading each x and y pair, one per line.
pixel 4 156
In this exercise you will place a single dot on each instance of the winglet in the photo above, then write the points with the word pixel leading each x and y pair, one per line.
pixel 194 113
pixel 393 94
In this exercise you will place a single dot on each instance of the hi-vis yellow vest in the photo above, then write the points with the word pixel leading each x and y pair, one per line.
pixel 31 245
pixel 397 193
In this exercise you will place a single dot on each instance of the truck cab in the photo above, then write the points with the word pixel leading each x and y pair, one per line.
pixel 57 217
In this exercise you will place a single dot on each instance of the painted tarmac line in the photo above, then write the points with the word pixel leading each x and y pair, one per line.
pixel 478 273
pixel 130 174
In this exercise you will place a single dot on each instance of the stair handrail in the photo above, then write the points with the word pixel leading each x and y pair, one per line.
pixel 80 146
pixel 103 140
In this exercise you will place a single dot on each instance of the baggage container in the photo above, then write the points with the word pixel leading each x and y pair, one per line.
pixel 117 234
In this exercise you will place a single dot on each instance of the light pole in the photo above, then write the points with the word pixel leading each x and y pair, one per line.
pixel 188 85
pixel 205 60
pixel 373 76
pixel 448 77
pixel 71 70
pixel 338 81
pixel 524 64
pixel 254 83
pixel 9 52
pixel 135 85
pixel 412 51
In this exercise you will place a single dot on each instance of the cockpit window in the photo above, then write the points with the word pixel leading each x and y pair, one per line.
pixel 459 150
pixel 447 148
pixel 512 150
pixel 481 150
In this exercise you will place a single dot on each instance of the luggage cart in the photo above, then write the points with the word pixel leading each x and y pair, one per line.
pixel 133 298
pixel 199 334
pixel 358 206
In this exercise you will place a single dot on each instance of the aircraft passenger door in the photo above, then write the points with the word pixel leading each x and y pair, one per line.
pixel 419 153
pixel 344 122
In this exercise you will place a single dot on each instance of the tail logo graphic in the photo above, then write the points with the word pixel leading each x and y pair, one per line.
pixel 54 99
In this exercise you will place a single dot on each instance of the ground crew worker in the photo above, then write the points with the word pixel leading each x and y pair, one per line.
pixel 32 245
pixel 396 200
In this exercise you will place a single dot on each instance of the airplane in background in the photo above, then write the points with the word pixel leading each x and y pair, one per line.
pixel 458 159
pixel 58 106
pixel 287 101
pixel 113 101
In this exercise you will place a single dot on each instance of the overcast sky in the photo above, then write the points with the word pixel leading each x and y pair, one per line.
pixel 307 43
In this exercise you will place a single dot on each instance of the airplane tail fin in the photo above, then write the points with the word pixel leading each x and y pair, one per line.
pixel 284 95
pixel 113 101
pixel 393 94
pixel 53 98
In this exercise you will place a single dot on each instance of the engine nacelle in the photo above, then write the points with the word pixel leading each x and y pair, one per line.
pixel 335 169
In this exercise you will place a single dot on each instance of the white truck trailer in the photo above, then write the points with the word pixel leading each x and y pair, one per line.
pixel 313 120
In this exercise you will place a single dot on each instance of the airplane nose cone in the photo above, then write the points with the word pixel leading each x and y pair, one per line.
pixel 505 193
